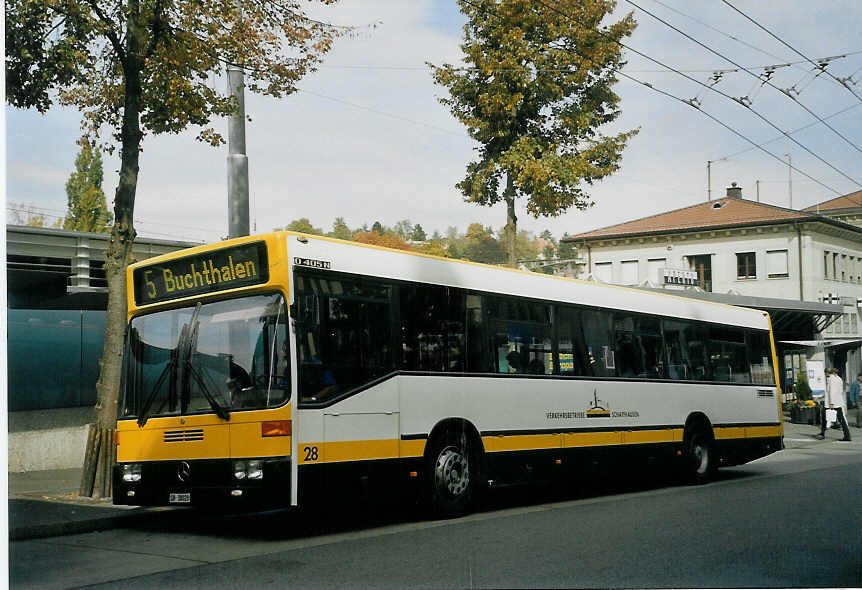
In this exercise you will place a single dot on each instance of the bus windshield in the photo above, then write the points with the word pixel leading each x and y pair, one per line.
pixel 209 358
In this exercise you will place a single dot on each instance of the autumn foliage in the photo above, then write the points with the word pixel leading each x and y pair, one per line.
pixel 387 240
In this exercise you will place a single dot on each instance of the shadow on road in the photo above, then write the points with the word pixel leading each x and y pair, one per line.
pixel 351 514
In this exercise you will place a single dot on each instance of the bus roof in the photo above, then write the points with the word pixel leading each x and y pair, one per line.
pixel 367 259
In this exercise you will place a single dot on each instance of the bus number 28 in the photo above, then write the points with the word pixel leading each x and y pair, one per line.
pixel 310 453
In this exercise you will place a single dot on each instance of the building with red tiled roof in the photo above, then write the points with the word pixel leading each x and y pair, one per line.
pixel 846 208
pixel 733 245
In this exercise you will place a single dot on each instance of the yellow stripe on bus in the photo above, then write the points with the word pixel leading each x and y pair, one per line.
pixel 363 450
pixel 729 432
pixel 762 431
pixel 521 442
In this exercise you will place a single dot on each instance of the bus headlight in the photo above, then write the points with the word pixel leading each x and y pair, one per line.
pixel 254 470
pixel 248 469
pixel 132 472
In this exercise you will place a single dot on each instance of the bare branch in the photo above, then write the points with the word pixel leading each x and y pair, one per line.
pixel 111 32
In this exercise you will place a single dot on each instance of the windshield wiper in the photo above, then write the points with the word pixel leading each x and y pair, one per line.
pixel 169 370
pixel 190 371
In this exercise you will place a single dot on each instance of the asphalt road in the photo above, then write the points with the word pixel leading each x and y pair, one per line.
pixel 792 519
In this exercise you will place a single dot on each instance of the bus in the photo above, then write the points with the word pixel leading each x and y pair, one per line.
pixel 260 370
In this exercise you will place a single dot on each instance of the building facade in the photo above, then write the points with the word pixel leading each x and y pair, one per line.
pixel 740 247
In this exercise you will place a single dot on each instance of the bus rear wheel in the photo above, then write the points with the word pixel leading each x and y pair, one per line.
pixel 452 475
pixel 701 460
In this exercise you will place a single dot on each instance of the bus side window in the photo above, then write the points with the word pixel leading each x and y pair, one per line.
pixel 424 312
pixel 572 349
pixel 676 335
pixel 455 331
pixel 520 336
pixel 478 358
pixel 727 353
pixel 760 358
pixel 597 330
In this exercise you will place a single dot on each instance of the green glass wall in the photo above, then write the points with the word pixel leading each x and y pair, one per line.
pixel 53 357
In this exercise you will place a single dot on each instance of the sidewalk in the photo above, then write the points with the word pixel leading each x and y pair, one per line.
pixel 805 435
pixel 46 504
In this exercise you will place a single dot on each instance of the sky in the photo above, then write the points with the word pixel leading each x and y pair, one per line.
pixel 366 139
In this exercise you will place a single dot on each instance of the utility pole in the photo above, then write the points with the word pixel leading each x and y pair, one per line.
pixel 757 184
pixel 790 180
pixel 708 180
pixel 237 160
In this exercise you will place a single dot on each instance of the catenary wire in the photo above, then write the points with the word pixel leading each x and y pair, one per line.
pixel 763 79
pixel 797 130
pixel 820 66
pixel 712 88
pixel 728 35
pixel 684 101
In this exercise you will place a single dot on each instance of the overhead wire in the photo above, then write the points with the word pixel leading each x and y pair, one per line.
pixel 61 214
pixel 763 78
pixel 720 32
pixel 425 68
pixel 382 113
pixel 821 65
pixel 797 130
pixel 674 97
pixel 696 103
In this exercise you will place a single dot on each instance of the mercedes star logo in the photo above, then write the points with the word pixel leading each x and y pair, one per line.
pixel 184 471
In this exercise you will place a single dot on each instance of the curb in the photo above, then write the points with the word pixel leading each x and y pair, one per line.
pixel 57 529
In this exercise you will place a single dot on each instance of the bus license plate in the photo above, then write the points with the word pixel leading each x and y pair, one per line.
pixel 180 498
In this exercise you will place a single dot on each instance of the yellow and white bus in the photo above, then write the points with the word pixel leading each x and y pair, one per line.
pixel 259 369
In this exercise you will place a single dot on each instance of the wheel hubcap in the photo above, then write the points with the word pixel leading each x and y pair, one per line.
pixel 452 471
pixel 701 458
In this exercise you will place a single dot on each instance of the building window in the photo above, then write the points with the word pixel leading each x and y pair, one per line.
pixel 776 264
pixel 746 265
pixel 834 266
pixel 654 270
pixel 602 271
pixel 702 263
pixel 629 272
pixel 826 264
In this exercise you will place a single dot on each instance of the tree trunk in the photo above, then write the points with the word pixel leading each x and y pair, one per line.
pixel 510 231
pixel 101 450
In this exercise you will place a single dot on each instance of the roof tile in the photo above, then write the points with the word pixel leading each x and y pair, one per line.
pixel 849 201
pixel 718 213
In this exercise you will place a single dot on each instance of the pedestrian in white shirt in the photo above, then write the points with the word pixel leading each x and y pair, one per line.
pixel 835 400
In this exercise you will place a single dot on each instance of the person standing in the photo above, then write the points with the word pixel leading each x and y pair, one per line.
pixel 855 388
pixel 836 400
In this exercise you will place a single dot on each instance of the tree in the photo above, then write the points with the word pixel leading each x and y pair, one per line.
pixel 377 227
pixel 86 208
pixel 387 239
pixel 480 245
pixel 418 234
pixel 404 229
pixel 138 67
pixel 303 225
pixel 340 230
pixel 434 248
pixel 25 214
pixel 536 88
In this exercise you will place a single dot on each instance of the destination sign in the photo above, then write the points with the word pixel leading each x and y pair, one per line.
pixel 228 268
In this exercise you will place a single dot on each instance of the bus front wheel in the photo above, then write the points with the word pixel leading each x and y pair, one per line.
pixel 701 460
pixel 453 475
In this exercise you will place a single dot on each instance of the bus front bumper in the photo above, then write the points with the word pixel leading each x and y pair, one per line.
pixel 204 482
